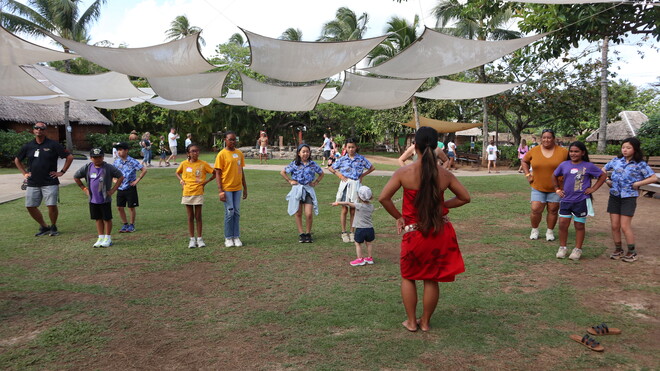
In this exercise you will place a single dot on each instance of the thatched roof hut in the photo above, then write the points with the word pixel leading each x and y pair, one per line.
pixel 627 126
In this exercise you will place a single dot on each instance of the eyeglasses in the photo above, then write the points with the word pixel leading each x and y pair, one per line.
pixel 39 128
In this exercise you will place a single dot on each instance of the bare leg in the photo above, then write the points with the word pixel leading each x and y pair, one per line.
pixel 430 301
pixel 53 213
pixel 309 210
pixel 131 210
pixel 358 250
pixel 122 214
pixel 342 218
pixel 99 227
pixel 198 219
pixel 537 213
pixel 369 248
pixel 626 227
pixel 615 219
pixel 191 220
pixel 299 218
pixel 108 227
pixel 35 213
pixel 409 296
pixel 579 234
pixel 553 214
pixel 564 224
pixel 352 217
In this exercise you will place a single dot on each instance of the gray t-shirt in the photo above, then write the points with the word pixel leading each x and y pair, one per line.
pixel 363 215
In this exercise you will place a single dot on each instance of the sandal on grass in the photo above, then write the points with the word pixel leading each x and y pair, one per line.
pixel 602 329
pixel 588 342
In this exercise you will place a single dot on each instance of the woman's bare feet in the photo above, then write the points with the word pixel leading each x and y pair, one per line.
pixel 425 327
pixel 409 328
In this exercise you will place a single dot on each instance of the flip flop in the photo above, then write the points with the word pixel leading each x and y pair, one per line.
pixel 588 342
pixel 404 325
pixel 602 329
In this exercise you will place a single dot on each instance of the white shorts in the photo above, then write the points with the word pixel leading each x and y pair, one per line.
pixel 263 150
pixel 192 200
pixel 34 195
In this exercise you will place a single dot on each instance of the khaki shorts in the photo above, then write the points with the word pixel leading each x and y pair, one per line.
pixel 192 200
pixel 34 195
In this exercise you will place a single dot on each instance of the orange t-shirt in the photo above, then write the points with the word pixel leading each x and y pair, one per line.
pixel 543 167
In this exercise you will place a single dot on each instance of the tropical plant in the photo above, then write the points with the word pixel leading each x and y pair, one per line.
pixel 180 27
pixel 291 34
pixel 400 35
pixel 345 27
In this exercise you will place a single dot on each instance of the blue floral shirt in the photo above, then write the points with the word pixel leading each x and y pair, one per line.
pixel 352 168
pixel 624 174
pixel 129 169
pixel 303 174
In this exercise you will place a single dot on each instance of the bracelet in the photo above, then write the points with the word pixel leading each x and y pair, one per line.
pixel 84 189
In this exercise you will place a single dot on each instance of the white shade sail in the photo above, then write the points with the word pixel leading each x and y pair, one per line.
pixel 46 99
pixel 181 88
pixel 376 93
pixel 176 58
pixel 115 103
pixel 180 106
pixel 109 85
pixel 447 89
pixel 280 98
pixel 300 61
pixel 437 54
pixel 16 82
pixel 233 98
pixel 442 126
pixel 16 51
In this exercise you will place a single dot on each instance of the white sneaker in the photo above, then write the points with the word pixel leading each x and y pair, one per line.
pixel 561 253
pixel 106 242
pixel 575 254
pixel 98 242
pixel 192 244
pixel 229 242
pixel 200 242
pixel 237 242
pixel 535 234
pixel 549 235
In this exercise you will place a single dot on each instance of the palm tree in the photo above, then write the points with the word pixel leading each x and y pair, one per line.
pixel 400 35
pixel 345 27
pixel 237 39
pixel 64 18
pixel 180 27
pixel 291 34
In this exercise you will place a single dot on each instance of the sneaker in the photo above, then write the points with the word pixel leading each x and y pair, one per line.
pixel 561 253
pixel 124 228
pixel 345 237
pixel 575 254
pixel 53 231
pixel 98 242
pixel 106 242
pixel 549 235
pixel 237 242
pixel 351 237
pixel 42 231
pixel 200 242
pixel 229 242
pixel 130 228
pixel 617 254
pixel 193 243
pixel 302 238
pixel 309 238
pixel 369 260
pixel 358 262
pixel 629 258
pixel 535 234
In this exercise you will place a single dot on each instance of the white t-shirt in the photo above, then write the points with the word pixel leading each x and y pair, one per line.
pixel 492 152
pixel 451 147
pixel 171 138
pixel 188 142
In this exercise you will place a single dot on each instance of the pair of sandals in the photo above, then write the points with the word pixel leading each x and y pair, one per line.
pixel 599 330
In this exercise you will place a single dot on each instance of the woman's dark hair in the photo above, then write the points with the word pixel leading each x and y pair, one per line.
pixel 229 132
pixel 188 149
pixel 352 140
pixel 428 200
pixel 300 147
pixel 582 148
pixel 548 131
pixel 638 156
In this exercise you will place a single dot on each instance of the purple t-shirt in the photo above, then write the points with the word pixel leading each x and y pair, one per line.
pixel 96 185
pixel 577 178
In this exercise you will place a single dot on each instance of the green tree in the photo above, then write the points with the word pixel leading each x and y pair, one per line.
pixel 345 27
pixel 291 34
pixel 400 35
pixel 649 135
pixel 180 27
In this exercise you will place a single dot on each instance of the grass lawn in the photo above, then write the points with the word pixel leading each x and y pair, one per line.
pixel 149 302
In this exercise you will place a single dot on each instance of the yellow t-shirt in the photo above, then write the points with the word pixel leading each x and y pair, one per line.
pixel 543 167
pixel 194 174
pixel 231 163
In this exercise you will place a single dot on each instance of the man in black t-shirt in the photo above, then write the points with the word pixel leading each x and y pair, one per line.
pixel 42 176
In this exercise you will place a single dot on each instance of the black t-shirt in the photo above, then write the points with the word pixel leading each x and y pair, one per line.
pixel 42 159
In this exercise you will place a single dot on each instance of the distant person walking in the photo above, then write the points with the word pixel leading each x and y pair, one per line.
pixel 326 147
pixel 145 143
pixel 172 138
pixel 162 149
pixel 451 154
pixel 42 176
pixel 232 187
pixel 492 156
pixel 522 150
pixel 187 142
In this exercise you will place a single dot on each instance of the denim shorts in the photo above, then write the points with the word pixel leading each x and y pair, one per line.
pixel 545 196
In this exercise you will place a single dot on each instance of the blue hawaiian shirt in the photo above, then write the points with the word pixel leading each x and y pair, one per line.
pixel 624 174
pixel 303 174
pixel 129 168
pixel 352 168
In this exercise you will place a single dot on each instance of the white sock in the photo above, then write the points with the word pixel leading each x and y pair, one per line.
pixel 562 247
pixel 535 230
pixel 549 231
pixel 108 237
pixel 101 236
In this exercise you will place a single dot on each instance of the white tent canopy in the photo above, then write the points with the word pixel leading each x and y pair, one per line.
pixel 447 89
pixel 327 95
pixel 376 93
pixel 180 106
pixel 109 85
pixel 115 103
pixel 16 82
pixel 16 51
pixel 280 98
pixel 45 99
pixel 176 58
pixel 233 98
pixel 181 88
pixel 437 54
pixel 300 61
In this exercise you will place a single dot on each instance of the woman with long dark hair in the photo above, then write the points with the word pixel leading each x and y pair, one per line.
pixel 429 250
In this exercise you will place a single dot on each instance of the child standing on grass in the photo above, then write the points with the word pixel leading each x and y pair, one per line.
pixel 192 177
pixel 98 175
pixel 232 187
pixel 302 172
pixel 127 195
pixel 429 250
pixel 629 172
pixel 575 195
pixel 162 148
pixel 364 227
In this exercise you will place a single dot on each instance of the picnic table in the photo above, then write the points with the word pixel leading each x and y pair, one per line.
pixel 470 158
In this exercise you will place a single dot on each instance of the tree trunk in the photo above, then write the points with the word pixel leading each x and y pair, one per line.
pixel 484 128
pixel 602 131
pixel 67 124
pixel 415 112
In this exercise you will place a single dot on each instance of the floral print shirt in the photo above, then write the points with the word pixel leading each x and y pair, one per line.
pixel 352 168
pixel 303 173
pixel 624 174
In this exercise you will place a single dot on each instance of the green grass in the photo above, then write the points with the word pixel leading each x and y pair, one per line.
pixel 299 306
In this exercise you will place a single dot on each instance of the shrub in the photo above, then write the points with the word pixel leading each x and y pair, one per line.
pixel 10 143
pixel 649 135
pixel 106 141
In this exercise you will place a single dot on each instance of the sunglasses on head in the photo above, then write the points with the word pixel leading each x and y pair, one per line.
pixel 548 131
pixel 39 127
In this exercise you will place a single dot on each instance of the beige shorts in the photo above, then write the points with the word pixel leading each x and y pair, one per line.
pixel 192 200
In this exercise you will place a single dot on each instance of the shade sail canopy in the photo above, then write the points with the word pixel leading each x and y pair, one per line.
pixel 115 103
pixel 176 58
pixel 181 88
pixel 437 54
pixel 280 98
pixel 300 61
pixel 180 106
pixel 376 93
pixel 109 85
pixel 16 82
pixel 327 95
pixel 45 99
pixel 233 98
pixel 447 89
pixel 442 126
pixel 16 51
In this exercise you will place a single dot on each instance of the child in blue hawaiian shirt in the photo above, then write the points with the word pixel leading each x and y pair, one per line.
pixel 629 172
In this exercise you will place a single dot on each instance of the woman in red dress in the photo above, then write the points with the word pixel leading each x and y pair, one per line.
pixel 429 250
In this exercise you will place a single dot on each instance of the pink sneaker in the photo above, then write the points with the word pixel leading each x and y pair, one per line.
pixel 357 262
pixel 369 260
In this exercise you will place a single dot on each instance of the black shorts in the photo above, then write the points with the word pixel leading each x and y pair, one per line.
pixel 622 206
pixel 128 197
pixel 100 211
pixel 364 234
pixel 577 209
pixel 308 199
pixel 326 154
